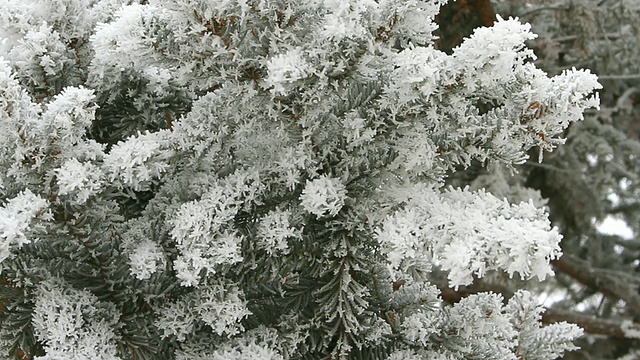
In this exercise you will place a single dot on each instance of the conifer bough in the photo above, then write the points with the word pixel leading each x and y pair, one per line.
pixel 266 180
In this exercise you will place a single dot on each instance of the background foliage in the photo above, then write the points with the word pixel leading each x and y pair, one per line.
pixel 594 175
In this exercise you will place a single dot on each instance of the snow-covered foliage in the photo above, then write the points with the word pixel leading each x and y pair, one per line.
pixel 266 179
pixel 323 196
pixel 73 324
pixel 217 305
pixel 481 326
pixel 78 180
pixel 468 234
pixel 17 217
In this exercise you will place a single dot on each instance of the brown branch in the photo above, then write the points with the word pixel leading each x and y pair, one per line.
pixel 451 296
pixel 458 19
pixel 484 11
pixel 604 284
pixel 591 324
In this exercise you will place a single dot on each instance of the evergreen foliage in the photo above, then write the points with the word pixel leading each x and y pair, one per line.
pixel 270 179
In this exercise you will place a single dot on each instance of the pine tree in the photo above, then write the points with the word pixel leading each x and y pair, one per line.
pixel 270 179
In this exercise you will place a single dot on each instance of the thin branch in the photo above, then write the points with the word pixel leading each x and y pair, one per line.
pixel 591 324
pixel 451 296
pixel 569 38
pixel 619 77
pixel 543 8
pixel 546 166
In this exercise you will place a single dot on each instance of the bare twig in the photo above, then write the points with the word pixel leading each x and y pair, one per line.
pixel 569 38
pixel 543 8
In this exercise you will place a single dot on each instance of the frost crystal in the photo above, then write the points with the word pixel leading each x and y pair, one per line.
pixel 284 69
pixel 176 319
pixel 631 329
pixel 144 259
pixel 206 254
pixel 70 114
pixel 259 343
pixel 482 316
pixel 470 233
pixel 16 217
pixel 345 18
pixel 356 130
pixel 137 161
pixel 202 229
pixel 80 180
pixel 421 327
pixel 221 307
pixel 323 196
pixel 73 324
pixel 420 67
pixel 218 305
pixel 146 256
pixel 274 230
pixel 535 341
pixel 265 180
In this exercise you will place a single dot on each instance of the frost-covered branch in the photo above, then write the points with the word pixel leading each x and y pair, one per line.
pixel 591 324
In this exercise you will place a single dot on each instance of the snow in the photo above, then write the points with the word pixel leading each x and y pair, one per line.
pixel 614 226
